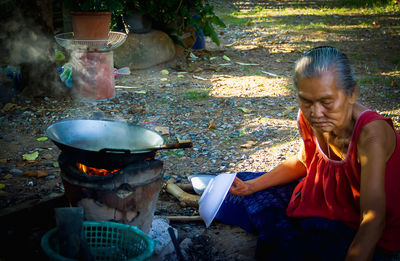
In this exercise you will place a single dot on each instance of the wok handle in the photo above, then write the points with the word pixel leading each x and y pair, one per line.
pixel 115 151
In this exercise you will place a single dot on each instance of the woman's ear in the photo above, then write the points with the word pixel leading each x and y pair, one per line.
pixel 353 96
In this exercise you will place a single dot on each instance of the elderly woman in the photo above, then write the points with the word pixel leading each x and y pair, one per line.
pixel 339 199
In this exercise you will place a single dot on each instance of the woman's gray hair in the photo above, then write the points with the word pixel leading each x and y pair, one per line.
pixel 323 59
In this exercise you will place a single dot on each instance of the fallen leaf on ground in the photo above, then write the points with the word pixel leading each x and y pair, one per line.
pixel 193 56
pixel 226 58
pixel 198 70
pixel 245 110
pixel 30 156
pixel 2 186
pixel 26 162
pixel 290 108
pixel 114 110
pixel 246 64
pixel 164 72
pixel 181 75
pixel 164 79
pixel 42 139
pixel 8 176
pixel 212 125
pixel 200 78
pixel 47 156
pixel 9 107
pixel 141 92
pixel 41 173
pixel 3 161
pixel 248 144
pixel 56 164
pixel 272 74
pixel 182 141
pixel 21 164
pixel 30 173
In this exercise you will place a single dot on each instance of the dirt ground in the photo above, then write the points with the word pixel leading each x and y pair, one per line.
pixel 235 103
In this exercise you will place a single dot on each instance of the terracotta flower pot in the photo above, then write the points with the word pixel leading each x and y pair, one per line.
pixel 91 25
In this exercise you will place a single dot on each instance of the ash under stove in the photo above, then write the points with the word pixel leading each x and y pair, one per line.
pixel 128 195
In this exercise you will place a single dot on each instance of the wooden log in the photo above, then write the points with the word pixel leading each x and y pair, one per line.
pixel 184 218
pixel 185 187
pixel 184 198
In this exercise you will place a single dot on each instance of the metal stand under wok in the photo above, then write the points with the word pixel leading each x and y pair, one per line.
pixel 92 64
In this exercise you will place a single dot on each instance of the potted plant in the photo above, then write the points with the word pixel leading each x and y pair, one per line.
pixel 177 17
pixel 91 18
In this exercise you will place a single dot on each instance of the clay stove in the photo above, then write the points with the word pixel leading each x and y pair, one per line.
pixel 127 195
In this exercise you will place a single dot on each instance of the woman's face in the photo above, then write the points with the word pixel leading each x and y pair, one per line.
pixel 326 107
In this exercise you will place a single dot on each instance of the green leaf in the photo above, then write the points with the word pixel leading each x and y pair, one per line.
pixel 42 139
pixel 209 31
pixel 31 156
pixel 216 20
pixel 247 64
pixel 226 58
pixel 245 110
pixel 177 153
pixel 264 119
pixel 60 56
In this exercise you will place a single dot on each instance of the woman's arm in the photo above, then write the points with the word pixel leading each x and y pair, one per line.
pixel 288 171
pixel 375 146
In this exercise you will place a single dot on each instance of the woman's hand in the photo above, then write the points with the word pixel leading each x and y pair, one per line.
pixel 290 170
pixel 240 188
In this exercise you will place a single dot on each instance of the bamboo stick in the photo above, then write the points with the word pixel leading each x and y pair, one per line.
pixel 184 218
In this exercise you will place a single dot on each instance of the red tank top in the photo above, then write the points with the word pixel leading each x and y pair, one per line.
pixel 331 188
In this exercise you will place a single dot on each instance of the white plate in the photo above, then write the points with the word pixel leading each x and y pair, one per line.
pixel 214 195
pixel 200 182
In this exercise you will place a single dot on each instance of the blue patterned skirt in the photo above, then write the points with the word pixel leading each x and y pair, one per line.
pixel 282 237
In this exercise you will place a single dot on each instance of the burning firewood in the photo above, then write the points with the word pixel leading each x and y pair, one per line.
pixel 184 198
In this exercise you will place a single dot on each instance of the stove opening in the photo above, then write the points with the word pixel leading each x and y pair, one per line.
pixel 95 171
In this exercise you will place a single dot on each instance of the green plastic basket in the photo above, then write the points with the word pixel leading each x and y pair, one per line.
pixel 107 241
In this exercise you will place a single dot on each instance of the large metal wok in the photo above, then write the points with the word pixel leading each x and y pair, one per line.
pixel 107 144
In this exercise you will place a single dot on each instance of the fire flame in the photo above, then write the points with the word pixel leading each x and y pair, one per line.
pixel 94 171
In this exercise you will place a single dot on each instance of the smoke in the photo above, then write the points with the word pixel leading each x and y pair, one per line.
pixel 26 42
pixel 30 47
